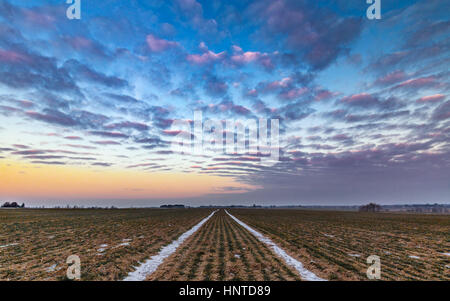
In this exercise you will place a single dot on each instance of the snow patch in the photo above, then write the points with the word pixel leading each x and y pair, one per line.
pixel 237 255
pixel 102 248
pixel 304 273
pixel 150 265
pixel 446 254
pixel 354 255
pixel 51 268
pixel 329 235
pixel 413 256
pixel 9 245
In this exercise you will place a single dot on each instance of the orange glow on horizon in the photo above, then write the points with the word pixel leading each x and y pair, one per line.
pixel 21 180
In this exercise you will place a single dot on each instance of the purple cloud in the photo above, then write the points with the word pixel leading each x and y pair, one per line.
pixel 159 45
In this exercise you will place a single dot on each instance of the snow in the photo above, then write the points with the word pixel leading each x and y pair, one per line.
pixel 52 268
pixel 304 273
pixel 237 255
pixel 413 256
pixel 354 255
pixel 9 245
pixel 150 265
pixel 447 254
pixel 124 244
pixel 102 248
pixel 329 235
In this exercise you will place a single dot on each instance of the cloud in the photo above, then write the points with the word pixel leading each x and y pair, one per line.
pixel 159 45
pixel 108 134
pixel 442 112
pixel 106 142
pixel 418 83
pixel 193 12
pixel 241 58
pixel 10 56
pixel 365 101
pixel 21 68
pixel 88 46
pixel 73 138
pixel 53 117
pixel 314 33
pixel 431 98
pixel 85 73
pixel 391 78
pixel 102 164
pixel 215 86
pixel 128 125
pixel 29 152
pixel 48 162
pixel 207 57
pixel 122 98
pixel 428 32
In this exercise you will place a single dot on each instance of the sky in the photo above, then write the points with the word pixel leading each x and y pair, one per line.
pixel 87 107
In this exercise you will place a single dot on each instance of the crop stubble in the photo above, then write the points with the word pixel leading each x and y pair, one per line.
pixel 223 250
pixel 335 245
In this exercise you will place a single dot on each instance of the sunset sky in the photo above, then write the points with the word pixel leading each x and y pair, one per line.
pixel 86 106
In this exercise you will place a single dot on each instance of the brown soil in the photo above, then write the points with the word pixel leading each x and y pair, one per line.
pixel 223 250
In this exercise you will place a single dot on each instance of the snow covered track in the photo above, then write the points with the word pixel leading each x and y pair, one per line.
pixel 150 265
pixel 304 273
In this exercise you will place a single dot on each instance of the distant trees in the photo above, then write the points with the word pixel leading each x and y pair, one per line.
pixel 13 205
pixel 172 206
pixel 371 207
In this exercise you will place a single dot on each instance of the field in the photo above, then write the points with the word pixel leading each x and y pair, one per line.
pixel 34 244
pixel 108 242
pixel 335 245
pixel 223 250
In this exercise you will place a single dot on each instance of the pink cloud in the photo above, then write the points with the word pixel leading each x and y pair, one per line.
pixel 323 94
pixel 73 138
pixel 293 93
pixel 242 58
pixel 246 57
pixel 13 56
pixel 252 93
pixel 158 45
pixel 205 58
pixel 431 98
pixel 80 42
pixel 362 98
pixel 284 83
pixel 418 82
pixel 391 78
pixel 39 18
